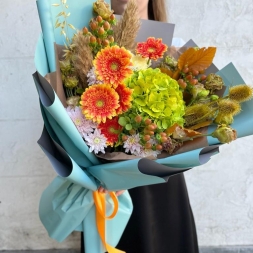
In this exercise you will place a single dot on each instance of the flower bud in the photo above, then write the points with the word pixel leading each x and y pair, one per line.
pixel 110 38
pixel 106 26
pixel 199 91
pixel 93 25
pixel 70 82
pixel 93 39
pixel 101 31
pixel 225 134
pixel 170 61
pixel 103 9
pixel 85 30
pixel 213 82
pixel 214 97
pixel 73 101
pixel 99 19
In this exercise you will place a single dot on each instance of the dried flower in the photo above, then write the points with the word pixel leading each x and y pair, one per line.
pixel 70 82
pixel 125 31
pixel 225 134
pixel 73 101
pixel 82 57
pixel 102 8
pixel 171 145
pixel 214 82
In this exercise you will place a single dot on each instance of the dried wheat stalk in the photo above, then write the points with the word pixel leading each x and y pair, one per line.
pixel 125 31
pixel 82 57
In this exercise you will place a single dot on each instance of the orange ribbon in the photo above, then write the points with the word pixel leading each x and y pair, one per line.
pixel 99 200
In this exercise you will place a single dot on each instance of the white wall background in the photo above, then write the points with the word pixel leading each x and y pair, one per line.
pixel 221 192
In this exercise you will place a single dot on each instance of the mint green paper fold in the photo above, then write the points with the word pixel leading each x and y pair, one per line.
pixel 122 175
pixel 40 58
pixel 63 164
pixel 65 207
pixel 53 105
pixel 138 172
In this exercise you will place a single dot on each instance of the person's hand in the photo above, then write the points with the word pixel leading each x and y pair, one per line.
pixel 118 193
pixel 103 190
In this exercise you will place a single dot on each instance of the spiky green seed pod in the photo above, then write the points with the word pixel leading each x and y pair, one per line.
pixel 241 93
pixel 229 107
pixel 200 113
pixel 224 119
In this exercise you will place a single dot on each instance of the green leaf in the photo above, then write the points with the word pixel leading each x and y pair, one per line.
pixel 159 124
pixel 122 121
pixel 110 32
pixel 128 127
pixel 164 124
pixel 79 91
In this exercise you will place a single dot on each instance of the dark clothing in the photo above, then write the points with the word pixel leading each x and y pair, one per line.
pixel 162 220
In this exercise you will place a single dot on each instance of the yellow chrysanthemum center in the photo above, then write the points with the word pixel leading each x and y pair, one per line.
pixel 77 122
pixel 96 140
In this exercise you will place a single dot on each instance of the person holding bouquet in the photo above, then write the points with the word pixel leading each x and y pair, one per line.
pixel 162 219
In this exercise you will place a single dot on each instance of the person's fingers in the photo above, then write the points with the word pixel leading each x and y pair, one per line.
pixel 118 193
pixel 102 190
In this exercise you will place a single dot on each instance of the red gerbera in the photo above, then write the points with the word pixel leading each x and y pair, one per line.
pixel 111 130
pixel 152 48
pixel 99 102
pixel 113 65
pixel 125 97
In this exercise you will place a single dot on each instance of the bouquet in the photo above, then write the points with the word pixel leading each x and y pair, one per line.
pixel 152 109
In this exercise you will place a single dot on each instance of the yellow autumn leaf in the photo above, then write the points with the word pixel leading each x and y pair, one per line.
pixel 55 5
pixel 167 71
pixel 198 59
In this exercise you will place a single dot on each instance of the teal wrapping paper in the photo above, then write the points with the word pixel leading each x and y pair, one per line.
pixel 67 205
pixel 82 10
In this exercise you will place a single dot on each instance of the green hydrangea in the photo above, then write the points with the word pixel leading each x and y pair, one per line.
pixel 157 96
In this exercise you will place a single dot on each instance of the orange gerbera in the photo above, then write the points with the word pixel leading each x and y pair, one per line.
pixel 111 130
pixel 99 102
pixel 125 97
pixel 152 48
pixel 113 65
